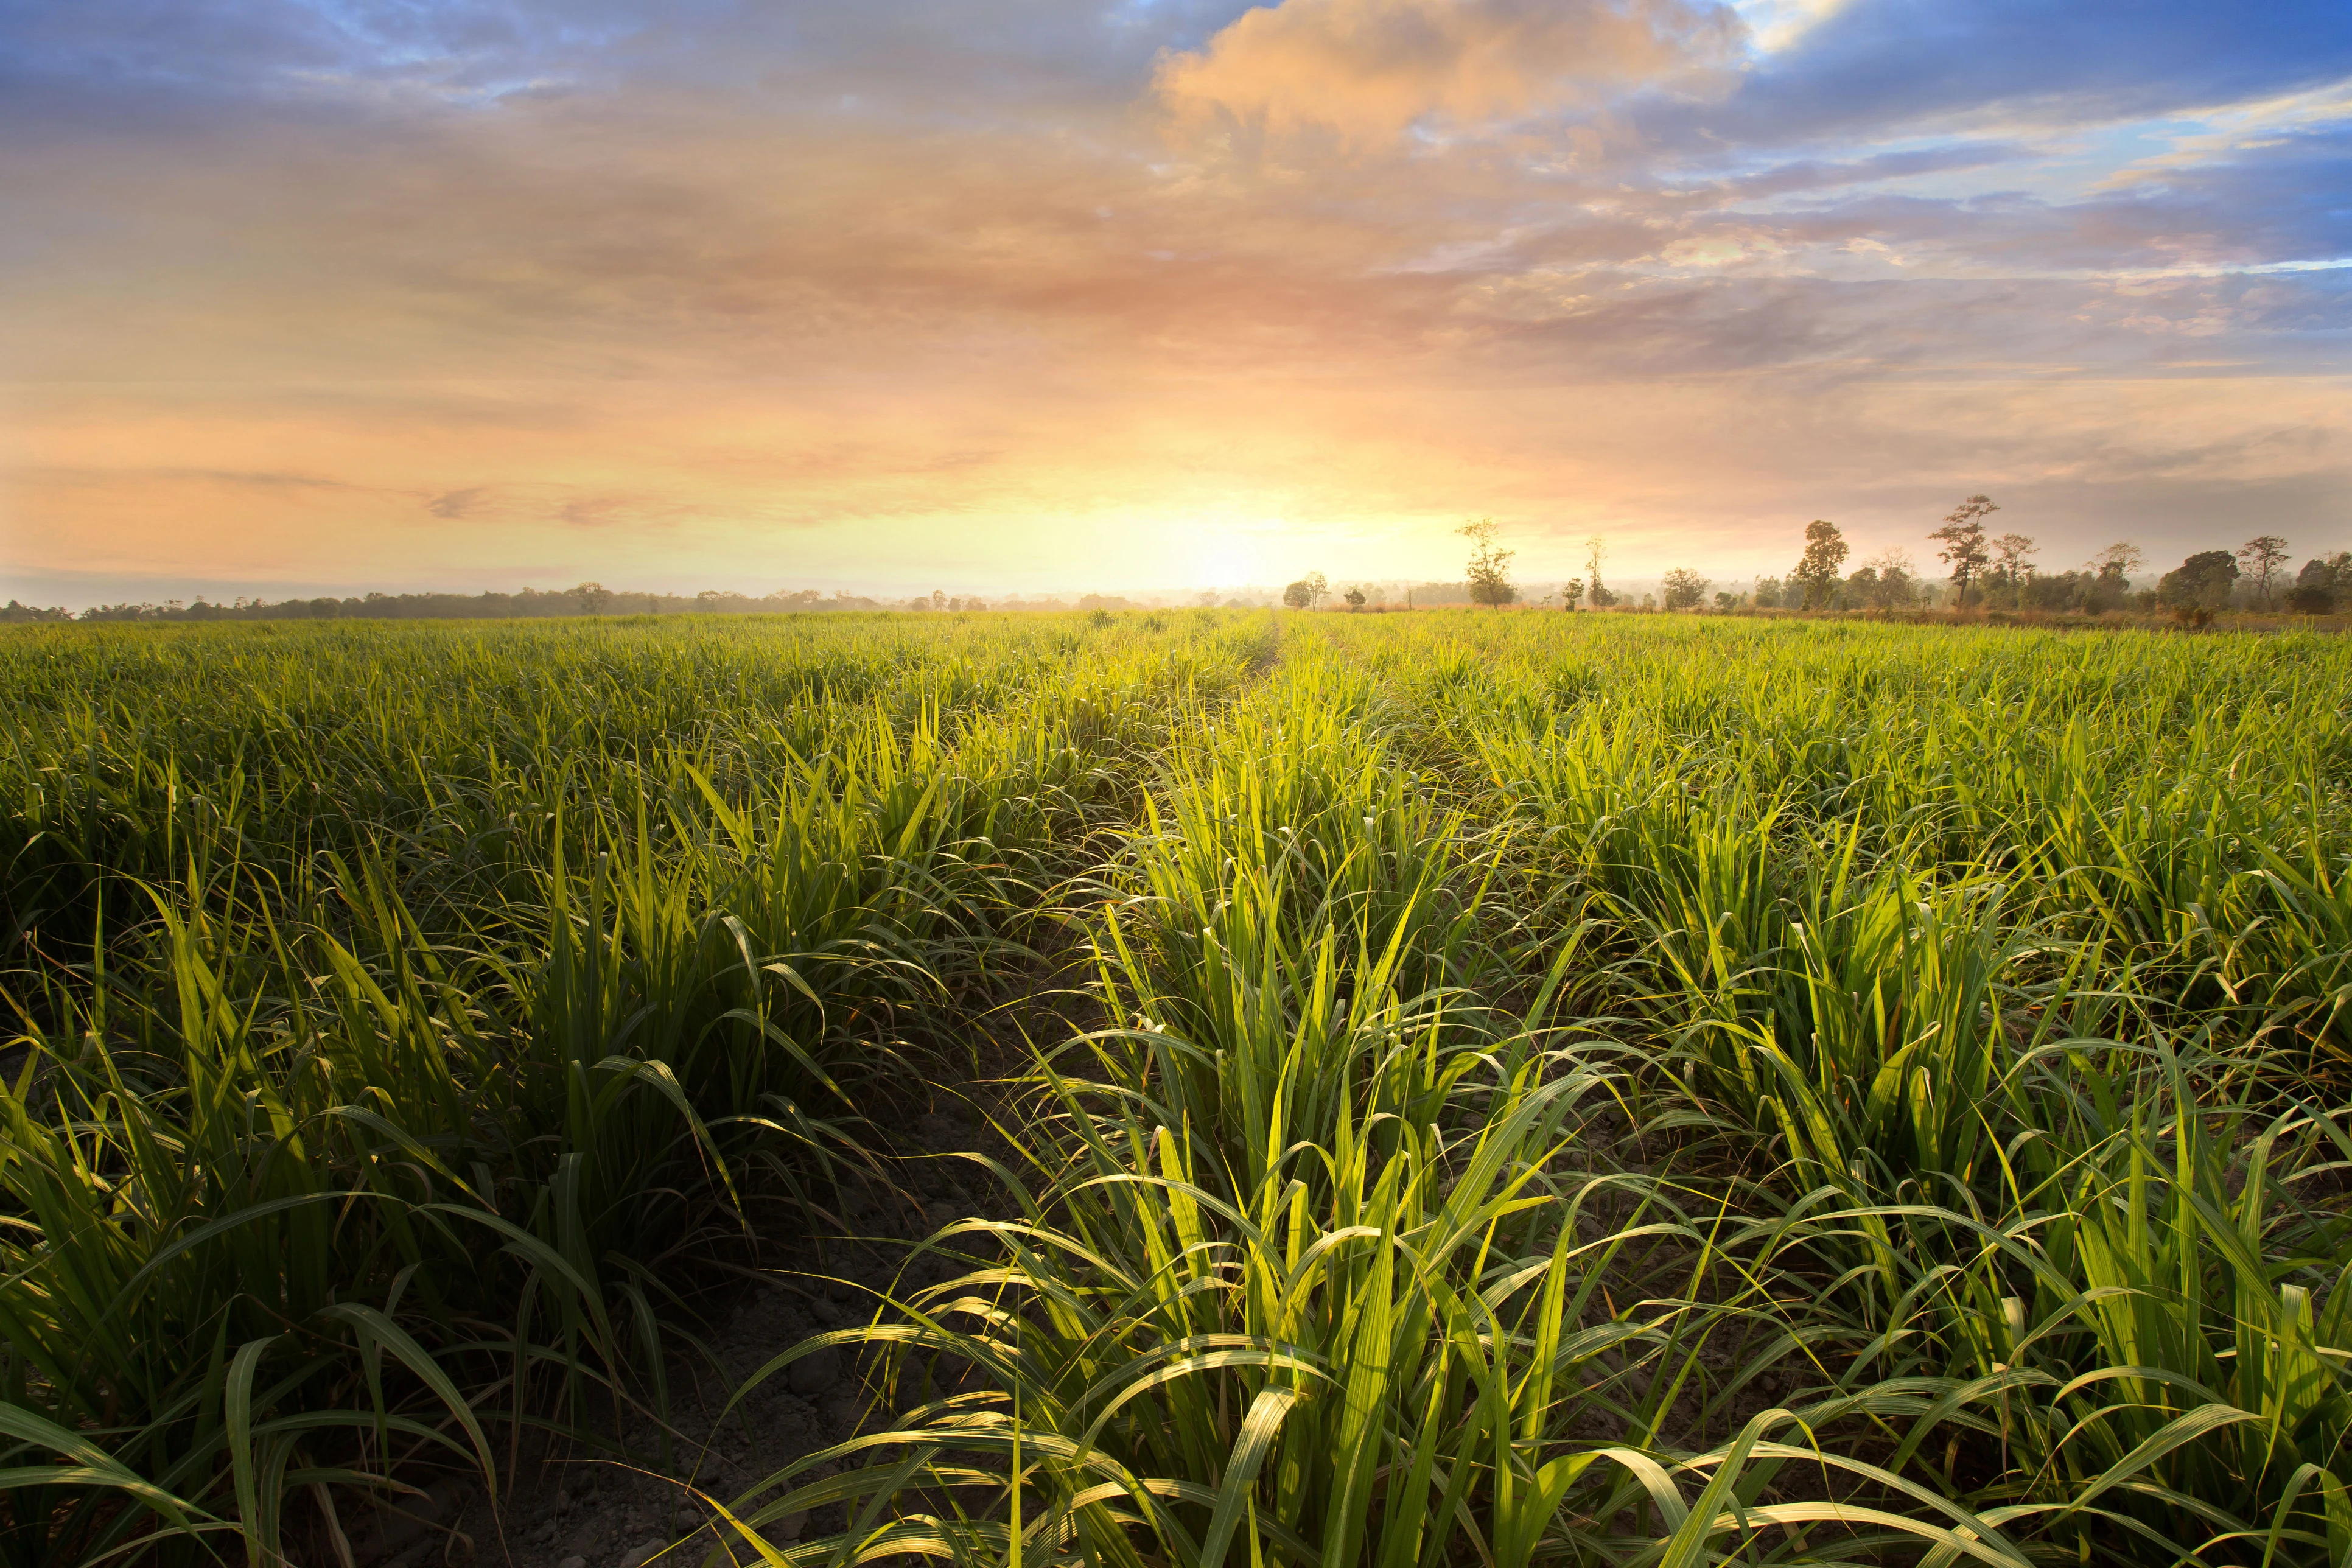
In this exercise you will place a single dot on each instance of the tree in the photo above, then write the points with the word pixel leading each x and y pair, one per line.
pixel 1963 538
pixel 1886 580
pixel 2112 567
pixel 592 597
pixel 1817 574
pixel 2010 568
pixel 1570 591
pixel 1355 600
pixel 2263 555
pixel 1766 593
pixel 1489 571
pixel 1307 592
pixel 1595 548
pixel 1684 589
pixel 2119 560
pixel 2200 582
pixel 2322 584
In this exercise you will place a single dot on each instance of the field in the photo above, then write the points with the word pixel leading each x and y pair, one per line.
pixel 1589 1090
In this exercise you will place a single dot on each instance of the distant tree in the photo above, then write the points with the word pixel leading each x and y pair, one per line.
pixel 592 597
pixel 2111 580
pixel 2120 559
pixel 1963 538
pixel 1684 589
pixel 2202 582
pixel 1355 597
pixel 1886 580
pixel 1570 591
pixel 1766 593
pixel 2324 583
pixel 2010 566
pixel 1595 549
pixel 1727 601
pixel 1302 595
pixel 1488 571
pixel 1817 574
pixel 2263 555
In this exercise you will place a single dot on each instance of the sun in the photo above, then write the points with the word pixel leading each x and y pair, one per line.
pixel 1220 555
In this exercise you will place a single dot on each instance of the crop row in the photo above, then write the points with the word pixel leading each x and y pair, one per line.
pixel 1564 1089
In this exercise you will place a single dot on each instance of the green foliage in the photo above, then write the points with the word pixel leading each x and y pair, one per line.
pixel 1815 577
pixel 1684 589
pixel 2202 581
pixel 1488 573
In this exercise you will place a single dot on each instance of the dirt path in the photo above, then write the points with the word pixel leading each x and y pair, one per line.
pixel 578 1510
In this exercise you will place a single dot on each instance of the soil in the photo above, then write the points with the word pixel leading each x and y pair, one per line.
pixel 578 1508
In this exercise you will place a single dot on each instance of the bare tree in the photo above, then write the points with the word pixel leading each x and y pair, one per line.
pixel 1963 538
pixel 2263 555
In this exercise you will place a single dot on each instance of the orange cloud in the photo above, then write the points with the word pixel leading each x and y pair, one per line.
pixel 1371 68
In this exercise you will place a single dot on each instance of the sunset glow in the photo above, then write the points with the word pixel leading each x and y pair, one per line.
pixel 1032 295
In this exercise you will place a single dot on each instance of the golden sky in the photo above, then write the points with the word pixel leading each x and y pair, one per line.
pixel 1030 295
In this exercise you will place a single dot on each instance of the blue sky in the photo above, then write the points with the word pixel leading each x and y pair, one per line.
pixel 1037 294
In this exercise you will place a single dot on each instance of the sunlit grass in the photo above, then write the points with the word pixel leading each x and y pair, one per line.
pixel 1593 1089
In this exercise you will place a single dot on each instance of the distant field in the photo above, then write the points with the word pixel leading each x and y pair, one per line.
pixel 1591 1090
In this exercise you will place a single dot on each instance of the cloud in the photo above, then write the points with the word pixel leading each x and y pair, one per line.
pixel 1372 68
pixel 747 296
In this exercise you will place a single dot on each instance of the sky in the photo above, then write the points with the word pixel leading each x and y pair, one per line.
pixel 1059 295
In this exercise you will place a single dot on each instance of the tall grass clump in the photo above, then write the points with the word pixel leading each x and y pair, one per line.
pixel 403 1013
pixel 1314 1261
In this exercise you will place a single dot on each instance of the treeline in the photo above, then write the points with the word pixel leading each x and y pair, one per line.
pixel 584 599
pixel 1999 573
